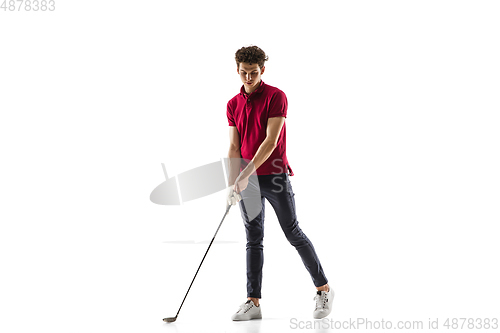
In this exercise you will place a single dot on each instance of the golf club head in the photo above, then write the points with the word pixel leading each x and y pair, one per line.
pixel 170 319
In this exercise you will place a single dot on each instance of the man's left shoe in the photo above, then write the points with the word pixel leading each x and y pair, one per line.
pixel 324 302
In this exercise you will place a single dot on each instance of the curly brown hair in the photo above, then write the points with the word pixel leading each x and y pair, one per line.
pixel 251 54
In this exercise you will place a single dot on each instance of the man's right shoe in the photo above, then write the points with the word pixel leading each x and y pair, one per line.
pixel 247 311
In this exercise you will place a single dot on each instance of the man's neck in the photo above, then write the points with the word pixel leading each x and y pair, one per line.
pixel 257 87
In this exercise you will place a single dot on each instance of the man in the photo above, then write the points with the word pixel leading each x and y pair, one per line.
pixel 257 135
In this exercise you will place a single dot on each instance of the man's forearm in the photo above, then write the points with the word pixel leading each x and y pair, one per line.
pixel 265 150
pixel 234 156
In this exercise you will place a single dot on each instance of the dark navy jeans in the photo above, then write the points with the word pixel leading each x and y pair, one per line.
pixel 277 189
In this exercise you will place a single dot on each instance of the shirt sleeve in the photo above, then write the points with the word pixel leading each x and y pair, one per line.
pixel 230 116
pixel 278 105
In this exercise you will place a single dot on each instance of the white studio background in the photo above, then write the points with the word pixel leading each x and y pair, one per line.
pixel 392 133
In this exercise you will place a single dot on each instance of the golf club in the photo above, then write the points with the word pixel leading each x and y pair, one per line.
pixel 172 319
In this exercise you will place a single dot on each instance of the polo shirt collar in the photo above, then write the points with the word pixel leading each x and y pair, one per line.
pixel 257 91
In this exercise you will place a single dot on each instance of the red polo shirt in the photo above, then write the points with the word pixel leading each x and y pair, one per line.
pixel 249 113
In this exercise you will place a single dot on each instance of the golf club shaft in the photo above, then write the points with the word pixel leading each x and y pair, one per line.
pixel 227 210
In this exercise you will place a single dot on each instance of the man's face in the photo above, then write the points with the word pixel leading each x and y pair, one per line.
pixel 250 75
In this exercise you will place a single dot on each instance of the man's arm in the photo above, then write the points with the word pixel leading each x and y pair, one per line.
pixel 234 154
pixel 273 130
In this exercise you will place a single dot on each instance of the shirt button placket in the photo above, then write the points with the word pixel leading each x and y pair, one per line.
pixel 249 106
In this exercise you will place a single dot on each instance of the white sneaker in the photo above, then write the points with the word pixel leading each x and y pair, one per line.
pixel 324 302
pixel 247 311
